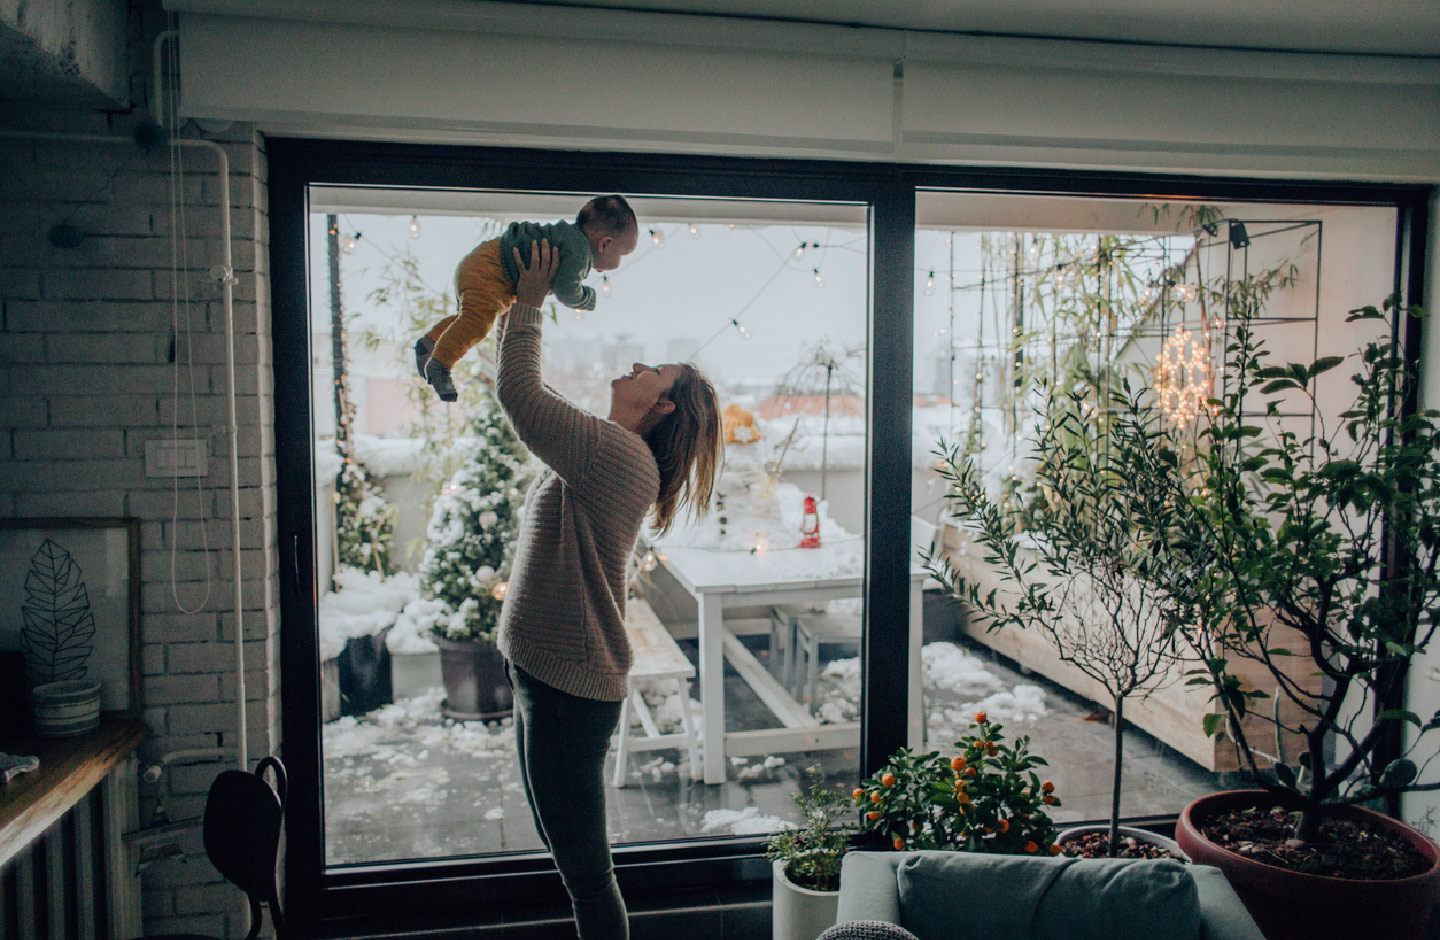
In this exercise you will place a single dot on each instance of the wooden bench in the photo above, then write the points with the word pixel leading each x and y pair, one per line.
pixel 656 656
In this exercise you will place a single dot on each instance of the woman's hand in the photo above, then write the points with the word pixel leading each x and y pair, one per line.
pixel 534 281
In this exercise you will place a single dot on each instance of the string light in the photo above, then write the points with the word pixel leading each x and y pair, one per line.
pixel 1182 374
pixel 348 242
pixel 743 332
pixel 414 226
pixel 930 284
pixel 694 230
pixel 819 281
pixel 658 237
pixel 800 251
pixel 649 562
pixel 500 590
pixel 605 285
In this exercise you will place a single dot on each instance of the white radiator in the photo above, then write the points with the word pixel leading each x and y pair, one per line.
pixel 78 881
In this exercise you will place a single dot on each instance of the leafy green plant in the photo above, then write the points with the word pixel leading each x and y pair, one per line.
pixel 986 798
pixel 1087 582
pixel 1312 554
pixel 813 852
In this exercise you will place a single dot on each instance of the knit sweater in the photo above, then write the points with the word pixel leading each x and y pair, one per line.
pixel 564 616
pixel 574 248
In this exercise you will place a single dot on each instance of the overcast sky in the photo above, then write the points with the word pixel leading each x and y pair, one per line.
pixel 681 297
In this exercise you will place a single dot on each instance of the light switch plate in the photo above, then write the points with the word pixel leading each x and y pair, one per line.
pixel 170 458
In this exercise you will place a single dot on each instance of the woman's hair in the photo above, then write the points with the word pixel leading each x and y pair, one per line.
pixel 687 444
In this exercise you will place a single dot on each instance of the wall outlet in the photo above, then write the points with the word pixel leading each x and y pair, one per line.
pixel 171 458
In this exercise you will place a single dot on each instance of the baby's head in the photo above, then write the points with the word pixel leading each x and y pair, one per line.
pixel 609 223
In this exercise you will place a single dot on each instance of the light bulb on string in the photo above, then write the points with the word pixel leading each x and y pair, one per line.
pixel 605 286
pixel 800 251
pixel 819 281
pixel 930 284
pixel 744 333
pixel 348 242
pixel 658 237
pixel 414 226
pixel 694 230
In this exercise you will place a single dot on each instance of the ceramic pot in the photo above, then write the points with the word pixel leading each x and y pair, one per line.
pixel 1289 905
pixel 799 913
pixel 475 683
pixel 65 708
pixel 1140 835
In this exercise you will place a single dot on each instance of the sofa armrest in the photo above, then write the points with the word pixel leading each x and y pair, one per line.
pixel 868 886
pixel 1222 913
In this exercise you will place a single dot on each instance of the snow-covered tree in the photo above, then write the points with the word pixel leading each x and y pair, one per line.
pixel 470 541
pixel 364 518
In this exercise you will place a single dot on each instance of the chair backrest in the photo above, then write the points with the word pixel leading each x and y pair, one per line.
pixel 243 814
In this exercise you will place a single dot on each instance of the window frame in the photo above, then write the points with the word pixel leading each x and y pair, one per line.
pixel 514 885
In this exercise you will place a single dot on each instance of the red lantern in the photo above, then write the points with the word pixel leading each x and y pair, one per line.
pixel 810 525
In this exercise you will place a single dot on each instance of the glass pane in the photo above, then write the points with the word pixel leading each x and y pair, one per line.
pixel 1015 295
pixel 749 619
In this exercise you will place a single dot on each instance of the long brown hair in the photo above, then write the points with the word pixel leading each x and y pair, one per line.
pixel 687 444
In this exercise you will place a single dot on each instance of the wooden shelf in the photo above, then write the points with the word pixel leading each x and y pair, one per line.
pixel 69 769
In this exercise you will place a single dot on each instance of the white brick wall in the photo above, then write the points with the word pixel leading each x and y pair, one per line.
pixel 86 379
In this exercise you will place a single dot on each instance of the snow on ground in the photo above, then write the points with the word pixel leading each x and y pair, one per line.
pixel 385 751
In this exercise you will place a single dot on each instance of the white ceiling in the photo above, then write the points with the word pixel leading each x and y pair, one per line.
pixel 1393 27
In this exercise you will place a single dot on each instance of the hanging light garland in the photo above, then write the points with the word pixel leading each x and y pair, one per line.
pixel 1182 373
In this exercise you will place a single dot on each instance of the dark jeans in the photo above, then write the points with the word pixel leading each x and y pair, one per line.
pixel 562 740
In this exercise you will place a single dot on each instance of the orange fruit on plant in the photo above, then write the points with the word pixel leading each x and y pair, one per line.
pixel 1049 800
pixel 858 794
pixel 899 844
pixel 888 780
pixel 957 763
pixel 1004 825
pixel 1031 847
pixel 994 751
pixel 875 796
pixel 1054 850
pixel 875 814
pixel 962 797
pixel 1048 787
pixel 980 718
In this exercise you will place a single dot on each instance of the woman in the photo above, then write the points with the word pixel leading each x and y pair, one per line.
pixel 562 629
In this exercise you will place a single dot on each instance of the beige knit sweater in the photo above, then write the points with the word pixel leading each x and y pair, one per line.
pixel 564 616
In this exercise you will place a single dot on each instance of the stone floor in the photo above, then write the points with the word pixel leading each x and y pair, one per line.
pixel 402 784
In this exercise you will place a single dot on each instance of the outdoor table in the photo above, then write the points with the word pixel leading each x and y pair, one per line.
pixel 719 579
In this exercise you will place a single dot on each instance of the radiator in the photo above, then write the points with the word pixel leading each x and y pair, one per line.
pixel 79 881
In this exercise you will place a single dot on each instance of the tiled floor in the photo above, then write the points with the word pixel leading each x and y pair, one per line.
pixel 399 784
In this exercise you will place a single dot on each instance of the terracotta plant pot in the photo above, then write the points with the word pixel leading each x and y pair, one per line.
pixel 1289 905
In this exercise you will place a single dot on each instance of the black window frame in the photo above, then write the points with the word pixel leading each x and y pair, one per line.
pixel 510 886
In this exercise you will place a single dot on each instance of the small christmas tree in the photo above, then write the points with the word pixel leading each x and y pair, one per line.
pixel 364 518
pixel 470 541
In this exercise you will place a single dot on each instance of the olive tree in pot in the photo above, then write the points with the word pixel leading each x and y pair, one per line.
pixel 1079 572
pixel 1317 547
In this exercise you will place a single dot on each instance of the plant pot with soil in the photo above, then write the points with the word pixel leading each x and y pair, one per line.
pixel 1094 842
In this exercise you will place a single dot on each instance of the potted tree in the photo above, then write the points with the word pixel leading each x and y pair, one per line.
pixel 469 545
pixel 1320 549
pixel 1069 549
pixel 806 862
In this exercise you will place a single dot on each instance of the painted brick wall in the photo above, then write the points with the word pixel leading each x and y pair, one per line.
pixel 94 343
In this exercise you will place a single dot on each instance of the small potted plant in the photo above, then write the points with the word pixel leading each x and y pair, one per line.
pixel 806 861
pixel 985 798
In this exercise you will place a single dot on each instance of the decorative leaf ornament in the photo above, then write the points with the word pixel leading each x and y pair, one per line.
pixel 59 630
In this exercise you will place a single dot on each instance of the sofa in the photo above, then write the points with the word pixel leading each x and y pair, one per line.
pixel 948 895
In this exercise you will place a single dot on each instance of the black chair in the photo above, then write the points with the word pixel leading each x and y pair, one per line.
pixel 242 838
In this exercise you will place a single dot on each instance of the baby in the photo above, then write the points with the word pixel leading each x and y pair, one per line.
pixel 604 232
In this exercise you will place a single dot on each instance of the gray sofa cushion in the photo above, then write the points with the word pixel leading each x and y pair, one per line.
pixel 944 894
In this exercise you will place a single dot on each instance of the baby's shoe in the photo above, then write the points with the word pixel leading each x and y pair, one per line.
pixel 424 348
pixel 439 378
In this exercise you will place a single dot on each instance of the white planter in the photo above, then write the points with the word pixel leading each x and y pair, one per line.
pixel 1140 835
pixel 799 913
pixel 65 708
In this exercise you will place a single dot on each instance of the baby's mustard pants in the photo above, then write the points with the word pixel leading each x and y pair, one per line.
pixel 482 293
